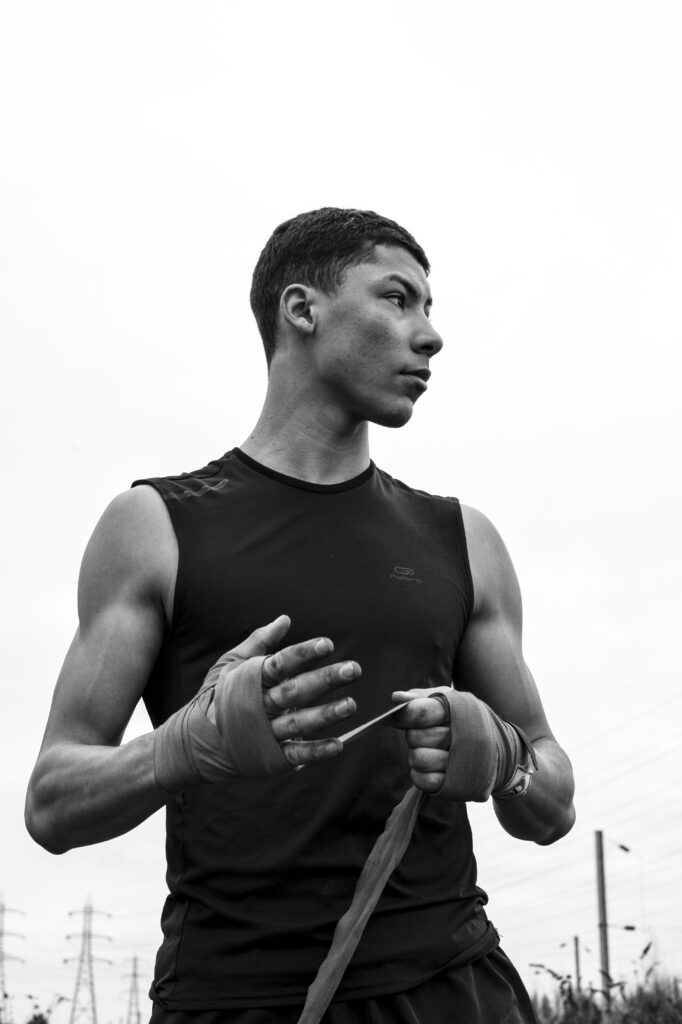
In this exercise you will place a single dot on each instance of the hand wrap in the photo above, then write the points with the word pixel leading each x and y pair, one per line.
pixel 190 749
pixel 487 755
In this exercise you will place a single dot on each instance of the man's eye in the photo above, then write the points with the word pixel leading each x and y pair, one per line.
pixel 397 298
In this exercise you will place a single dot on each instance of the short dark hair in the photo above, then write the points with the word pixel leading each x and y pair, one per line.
pixel 316 249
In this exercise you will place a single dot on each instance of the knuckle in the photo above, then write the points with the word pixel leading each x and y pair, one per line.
pixel 427 759
pixel 273 664
pixel 414 759
pixel 329 713
pixel 434 781
pixel 318 750
pixel 293 724
pixel 270 670
pixel 271 708
pixel 292 752
pixel 335 710
pixel 288 692
pixel 429 782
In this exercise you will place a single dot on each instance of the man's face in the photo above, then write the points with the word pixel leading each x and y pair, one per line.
pixel 374 339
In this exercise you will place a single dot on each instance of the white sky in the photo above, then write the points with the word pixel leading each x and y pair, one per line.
pixel 148 149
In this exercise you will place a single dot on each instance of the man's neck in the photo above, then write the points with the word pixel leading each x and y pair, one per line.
pixel 307 444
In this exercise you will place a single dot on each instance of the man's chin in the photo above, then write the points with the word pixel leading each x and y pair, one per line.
pixel 395 417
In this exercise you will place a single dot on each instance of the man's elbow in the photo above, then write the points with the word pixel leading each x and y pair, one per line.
pixel 560 829
pixel 41 822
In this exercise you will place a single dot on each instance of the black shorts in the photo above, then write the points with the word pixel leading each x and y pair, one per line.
pixel 488 991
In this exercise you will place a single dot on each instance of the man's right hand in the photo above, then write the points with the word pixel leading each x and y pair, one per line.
pixel 251 717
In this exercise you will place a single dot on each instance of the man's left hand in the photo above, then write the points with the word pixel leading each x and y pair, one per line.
pixel 427 731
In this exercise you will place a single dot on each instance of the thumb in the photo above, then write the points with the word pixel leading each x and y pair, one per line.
pixel 264 640
pixel 400 696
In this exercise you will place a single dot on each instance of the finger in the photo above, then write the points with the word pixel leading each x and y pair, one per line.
pixel 427 761
pixel 295 659
pixel 439 737
pixel 421 713
pixel 430 782
pixel 310 686
pixel 400 696
pixel 264 639
pixel 307 721
pixel 302 752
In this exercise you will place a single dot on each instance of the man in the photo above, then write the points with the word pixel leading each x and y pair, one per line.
pixel 372 592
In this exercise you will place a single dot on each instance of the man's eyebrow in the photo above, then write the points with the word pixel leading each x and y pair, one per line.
pixel 412 290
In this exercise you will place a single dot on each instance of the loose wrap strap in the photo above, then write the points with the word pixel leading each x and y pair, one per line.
pixel 484 753
pixel 189 748
pixel 386 854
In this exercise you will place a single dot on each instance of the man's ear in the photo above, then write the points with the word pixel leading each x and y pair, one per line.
pixel 297 306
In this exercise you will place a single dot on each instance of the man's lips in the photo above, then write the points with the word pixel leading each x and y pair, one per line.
pixel 418 376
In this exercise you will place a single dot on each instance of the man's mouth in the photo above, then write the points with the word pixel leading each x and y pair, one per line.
pixel 423 373
pixel 417 376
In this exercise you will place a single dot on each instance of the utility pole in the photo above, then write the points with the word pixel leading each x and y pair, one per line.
pixel 133 1016
pixel 84 991
pixel 576 955
pixel 5 1010
pixel 603 924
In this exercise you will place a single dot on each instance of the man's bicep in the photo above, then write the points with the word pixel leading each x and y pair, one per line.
pixel 104 676
pixel 490 665
pixel 126 565
pixel 490 662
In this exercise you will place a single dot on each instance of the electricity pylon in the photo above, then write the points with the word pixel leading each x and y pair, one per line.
pixel 5 1010
pixel 83 1003
pixel 133 1015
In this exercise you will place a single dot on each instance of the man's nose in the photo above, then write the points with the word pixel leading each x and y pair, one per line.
pixel 428 340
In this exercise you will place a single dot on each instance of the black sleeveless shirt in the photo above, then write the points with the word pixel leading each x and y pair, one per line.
pixel 259 872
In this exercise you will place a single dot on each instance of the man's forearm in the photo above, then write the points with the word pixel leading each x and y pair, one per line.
pixel 545 813
pixel 81 794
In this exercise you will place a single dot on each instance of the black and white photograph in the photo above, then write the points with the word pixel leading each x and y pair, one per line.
pixel 341 564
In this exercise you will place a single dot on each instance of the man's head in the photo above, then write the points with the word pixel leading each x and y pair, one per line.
pixel 316 249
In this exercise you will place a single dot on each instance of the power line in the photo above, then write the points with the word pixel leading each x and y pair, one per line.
pixel 627 765
pixel 599 737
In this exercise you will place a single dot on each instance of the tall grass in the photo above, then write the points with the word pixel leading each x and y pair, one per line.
pixel 655 1000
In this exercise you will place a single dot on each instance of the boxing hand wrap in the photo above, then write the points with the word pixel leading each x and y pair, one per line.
pixel 190 748
pixel 487 756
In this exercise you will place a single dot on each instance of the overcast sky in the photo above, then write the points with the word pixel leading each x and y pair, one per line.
pixel 148 150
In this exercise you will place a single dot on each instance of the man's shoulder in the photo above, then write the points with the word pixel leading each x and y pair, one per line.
pixel 480 530
pixel 134 513
pixel 419 493
pixel 133 546
pixel 491 565
pixel 195 482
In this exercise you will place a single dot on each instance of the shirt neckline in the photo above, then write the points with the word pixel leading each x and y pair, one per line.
pixel 304 485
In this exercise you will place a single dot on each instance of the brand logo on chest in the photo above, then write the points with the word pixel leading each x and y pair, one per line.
pixel 403 574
